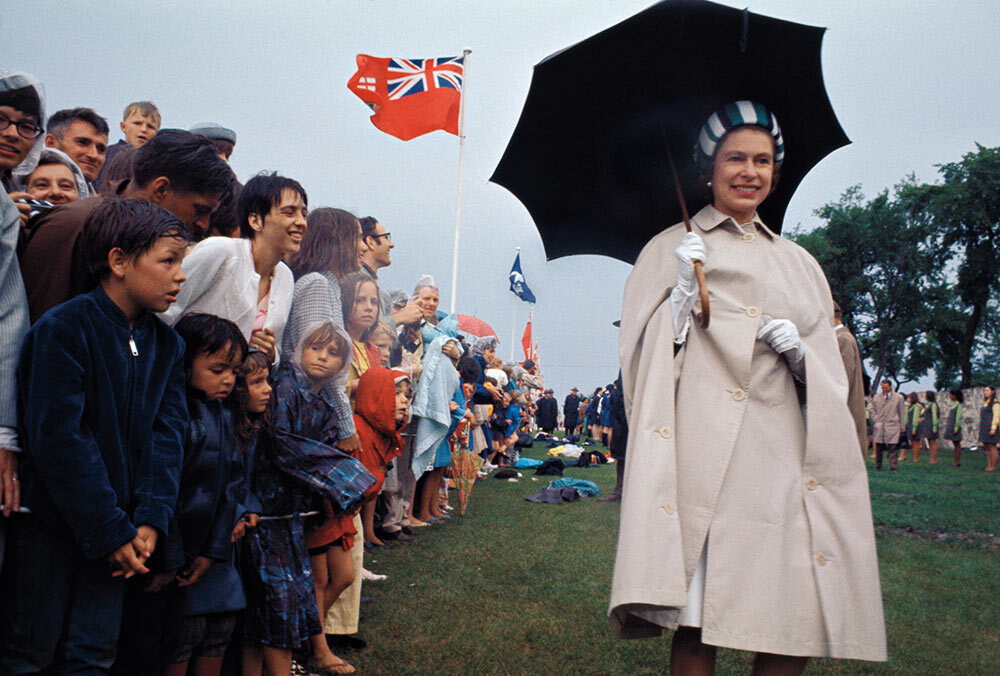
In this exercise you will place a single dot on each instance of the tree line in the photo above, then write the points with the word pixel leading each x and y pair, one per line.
pixel 916 271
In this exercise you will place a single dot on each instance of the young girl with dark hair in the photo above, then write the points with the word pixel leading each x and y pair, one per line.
pixel 989 426
pixel 914 421
pixel 953 425
pixel 209 516
pixel 929 427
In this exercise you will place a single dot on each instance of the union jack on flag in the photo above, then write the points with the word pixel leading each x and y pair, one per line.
pixel 412 76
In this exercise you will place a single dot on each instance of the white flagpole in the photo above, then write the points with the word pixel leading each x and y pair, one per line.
pixel 513 319
pixel 461 164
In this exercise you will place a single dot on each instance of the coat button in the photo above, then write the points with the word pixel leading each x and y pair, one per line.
pixel 753 311
pixel 665 432
pixel 820 559
pixel 668 508
pixel 739 395
pixel 811 484
pixel 749 237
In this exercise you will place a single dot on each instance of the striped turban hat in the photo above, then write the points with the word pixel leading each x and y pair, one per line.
pixel 730 116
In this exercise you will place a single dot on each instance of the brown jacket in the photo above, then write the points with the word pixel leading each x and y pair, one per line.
pixel 778 495
pixel 851 356
pixel 888 417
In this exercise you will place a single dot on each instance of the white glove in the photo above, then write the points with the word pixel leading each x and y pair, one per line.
pixel 684 293
pixel 783 337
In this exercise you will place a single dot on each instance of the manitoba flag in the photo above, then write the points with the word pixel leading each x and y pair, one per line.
pixel 410 97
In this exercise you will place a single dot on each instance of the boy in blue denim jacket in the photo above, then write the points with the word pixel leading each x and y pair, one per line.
pixel 102 414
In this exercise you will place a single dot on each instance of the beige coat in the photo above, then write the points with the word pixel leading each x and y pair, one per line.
pixel 851 356
pixel 888 417
pixel 728 463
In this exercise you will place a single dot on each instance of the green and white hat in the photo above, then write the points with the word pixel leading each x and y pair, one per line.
pixel 730 116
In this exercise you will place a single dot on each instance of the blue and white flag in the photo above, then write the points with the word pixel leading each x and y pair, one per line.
pixel 517 284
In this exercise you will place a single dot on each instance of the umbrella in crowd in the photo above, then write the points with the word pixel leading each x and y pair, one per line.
pixel 590 156
pixel 464 468
pixel 474 326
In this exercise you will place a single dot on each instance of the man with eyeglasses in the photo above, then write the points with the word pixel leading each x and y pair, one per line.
pixel 378 243
pixel 21 116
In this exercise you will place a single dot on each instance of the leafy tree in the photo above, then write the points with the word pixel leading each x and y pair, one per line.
pixel 880 263
pixel 963 212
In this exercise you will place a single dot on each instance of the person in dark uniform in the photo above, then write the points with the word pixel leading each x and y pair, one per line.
pixel 571 407
pixel 619 439
pixel 547 414
pixel 953 425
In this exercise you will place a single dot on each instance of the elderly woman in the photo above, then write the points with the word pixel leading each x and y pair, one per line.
pixel 56 179
pixel 746 520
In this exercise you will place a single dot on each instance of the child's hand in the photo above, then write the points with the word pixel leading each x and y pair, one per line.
pixel 351 443
pixel 452 405
pixel 198 568
pixel 248 521
pixel 147 537
pixel 158 581
pixel 127 561
pixel 263 340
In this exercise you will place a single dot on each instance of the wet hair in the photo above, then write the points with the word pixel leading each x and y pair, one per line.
pixel 126 223
pixel 261 194
pixel 469 369
pixel 247 425
pixel 205 334
pixel 118 169
pixel 959 395
pixel 223 222
pixel 930 396
pixel 144 108
pixel 325 334
pixel 368 224
pixel 329 245
pixel 382 329
pixel 24 99
pixel 189 161
pixel 349 287
pixel 60 121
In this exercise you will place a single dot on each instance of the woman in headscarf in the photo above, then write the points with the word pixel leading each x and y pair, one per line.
pixel 56 179
pixel 746 520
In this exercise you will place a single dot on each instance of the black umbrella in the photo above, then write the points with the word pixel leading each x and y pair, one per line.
pixel 589 156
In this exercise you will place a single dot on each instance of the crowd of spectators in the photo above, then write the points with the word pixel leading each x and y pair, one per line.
pixel 211 404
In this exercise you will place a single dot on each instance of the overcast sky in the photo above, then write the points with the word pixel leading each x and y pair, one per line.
pixel 913 83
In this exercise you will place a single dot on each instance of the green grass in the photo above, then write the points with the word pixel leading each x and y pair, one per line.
pixel 522 588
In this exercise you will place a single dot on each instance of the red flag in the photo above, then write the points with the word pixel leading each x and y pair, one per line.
pixel 526 341
pixel 410 97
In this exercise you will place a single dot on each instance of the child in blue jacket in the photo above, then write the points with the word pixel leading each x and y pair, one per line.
pixel 102 414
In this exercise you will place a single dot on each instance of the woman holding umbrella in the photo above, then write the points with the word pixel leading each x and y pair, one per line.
pixel 742 456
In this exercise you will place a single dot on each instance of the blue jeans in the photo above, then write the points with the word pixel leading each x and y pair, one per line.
pixel 63 611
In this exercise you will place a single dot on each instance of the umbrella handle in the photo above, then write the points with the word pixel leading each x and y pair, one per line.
pixel 705 313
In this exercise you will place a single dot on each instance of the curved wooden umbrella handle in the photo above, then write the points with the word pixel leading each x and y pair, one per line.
pixel 705 313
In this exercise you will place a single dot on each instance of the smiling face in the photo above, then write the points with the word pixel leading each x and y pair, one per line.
pixel 14 147
pixel 153 279
pixel 139 128
pixel 378 246
pixel 364 311
pixel 321 361
pixel 53 183
pixel 742 173
pixel 84 144
pixel 284 226
pixel 214 373
pixel 428 301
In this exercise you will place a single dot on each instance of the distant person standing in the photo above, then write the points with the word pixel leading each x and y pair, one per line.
pixel 548 412
pixel 989 421
pixel 953 425
pixel 851 356
pixel 888 414
pixel 929 424
pixel 571 408
pixel 914 421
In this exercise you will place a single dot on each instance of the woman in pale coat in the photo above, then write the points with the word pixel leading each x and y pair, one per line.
pixel 759 512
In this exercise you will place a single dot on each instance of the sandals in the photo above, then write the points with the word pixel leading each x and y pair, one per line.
pixel 342 667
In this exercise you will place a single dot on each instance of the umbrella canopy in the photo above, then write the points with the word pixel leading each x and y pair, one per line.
pixel 464 468
pixel 588 157
pixel 474 326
